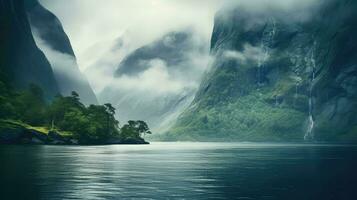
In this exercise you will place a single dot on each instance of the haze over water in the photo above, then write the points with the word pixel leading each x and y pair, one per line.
pixel 179 171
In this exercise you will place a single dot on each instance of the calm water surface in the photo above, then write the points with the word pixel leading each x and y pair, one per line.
pixel 179 171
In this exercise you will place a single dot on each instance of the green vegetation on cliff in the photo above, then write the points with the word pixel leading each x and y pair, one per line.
pixel 250 118
pixel 277 76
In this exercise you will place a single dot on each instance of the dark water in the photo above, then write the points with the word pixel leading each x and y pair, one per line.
pixel 179 171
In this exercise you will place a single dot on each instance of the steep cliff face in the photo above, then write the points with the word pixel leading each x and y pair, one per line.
pixel 157 81
pixel 20 58
pixel 278 76
pixel 52 39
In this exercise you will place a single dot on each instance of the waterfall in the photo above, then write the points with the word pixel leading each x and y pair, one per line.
pixel 296 92
pixel 266 45
pixel 276 101
pixel 309 135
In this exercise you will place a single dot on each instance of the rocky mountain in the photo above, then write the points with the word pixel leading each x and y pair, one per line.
pixel 157 81
pixel 20 59
pixel 278 76
pixel 52 39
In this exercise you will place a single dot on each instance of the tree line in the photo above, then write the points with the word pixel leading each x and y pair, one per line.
pixel 89 124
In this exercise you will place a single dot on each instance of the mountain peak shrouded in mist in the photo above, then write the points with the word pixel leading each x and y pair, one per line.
pixel 278 76
pixel 171 48
pixel 53 41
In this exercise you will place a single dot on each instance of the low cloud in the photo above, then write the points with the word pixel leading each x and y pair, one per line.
pixel 186 72
pixel 258 11
pixel 160 79
pixel 61 63
pixel 156 80
pixel 157 94
pixel 105 59
pixel 92 23
pixel 95 26
pixel 249 54
pixel 66 71
pixel 260 5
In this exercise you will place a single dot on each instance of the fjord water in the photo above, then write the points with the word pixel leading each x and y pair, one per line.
pixel 179 171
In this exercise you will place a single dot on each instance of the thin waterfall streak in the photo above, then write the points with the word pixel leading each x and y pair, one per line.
pixel 266 45
pixel 296 93
pixel 310 130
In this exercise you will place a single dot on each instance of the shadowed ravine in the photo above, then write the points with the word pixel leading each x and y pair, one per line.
pixel 179 171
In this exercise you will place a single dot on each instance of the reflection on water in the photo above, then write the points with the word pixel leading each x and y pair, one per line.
pixel 179 171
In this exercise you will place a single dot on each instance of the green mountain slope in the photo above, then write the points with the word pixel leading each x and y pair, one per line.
pixel 278 76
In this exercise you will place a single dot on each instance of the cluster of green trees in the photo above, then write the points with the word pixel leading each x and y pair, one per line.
pixel 88 124
pixel 135 129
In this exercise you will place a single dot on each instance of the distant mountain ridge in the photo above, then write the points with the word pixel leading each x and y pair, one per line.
pixel 171 48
